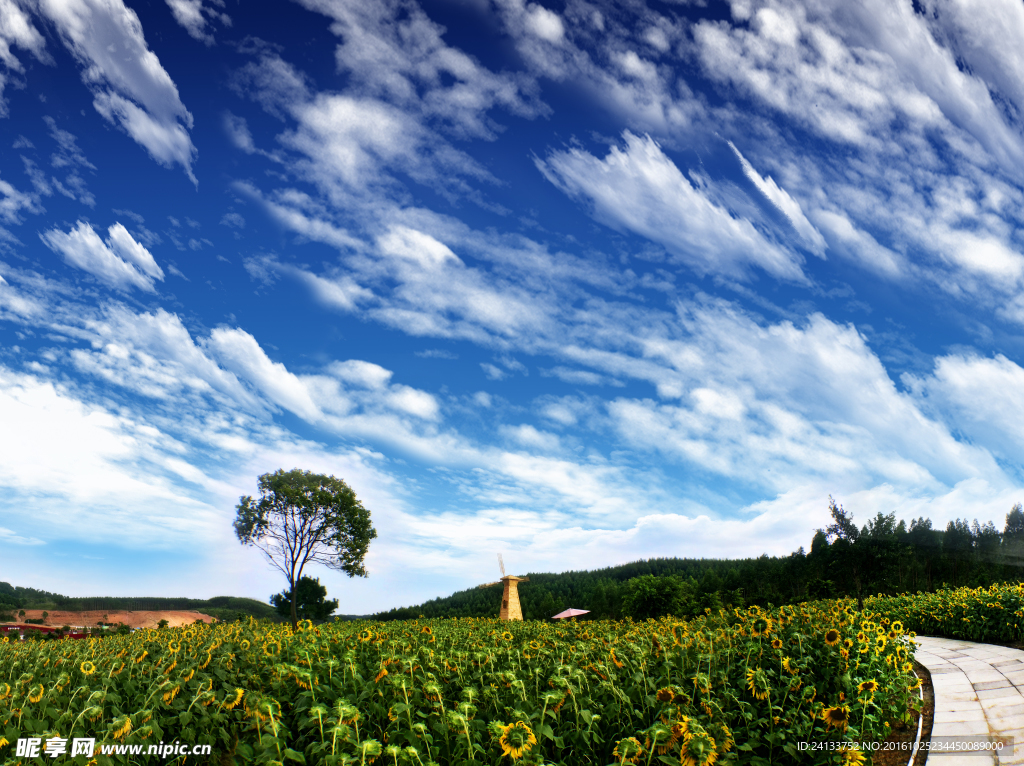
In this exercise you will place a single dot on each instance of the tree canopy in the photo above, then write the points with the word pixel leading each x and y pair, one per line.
pixel 310 600
pixel 305 518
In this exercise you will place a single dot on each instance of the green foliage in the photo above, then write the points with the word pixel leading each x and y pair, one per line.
pixel 993 614
pixel 649 597
pixel 310 601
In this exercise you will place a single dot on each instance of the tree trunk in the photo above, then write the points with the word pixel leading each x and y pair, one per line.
pixel 295 614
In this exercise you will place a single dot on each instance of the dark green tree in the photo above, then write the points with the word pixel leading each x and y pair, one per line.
pixel 311 600
pixel 1013 537
pixel 651 596
pixel 847 560
pixel 305 518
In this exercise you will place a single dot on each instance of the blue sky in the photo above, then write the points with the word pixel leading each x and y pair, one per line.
pixel 577 282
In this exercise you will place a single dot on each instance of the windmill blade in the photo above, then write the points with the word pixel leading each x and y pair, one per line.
pixel 502 565
pixel 489 584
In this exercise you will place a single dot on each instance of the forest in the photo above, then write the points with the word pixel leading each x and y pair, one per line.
pixel 882 555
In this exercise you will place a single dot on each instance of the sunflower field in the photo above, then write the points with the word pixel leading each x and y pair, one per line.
pixel 742 687
pixel 995 613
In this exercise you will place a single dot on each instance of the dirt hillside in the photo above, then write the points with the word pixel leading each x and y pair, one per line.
pixel 131 619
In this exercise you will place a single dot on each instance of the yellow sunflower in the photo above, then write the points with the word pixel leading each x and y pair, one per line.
pixel 698 750
pixel 239 693
pixel 122 727
pixel 36 693
pixel 832 637
pixel 867 686
pixel 838 716
pixel 87 668
pixel 757 682
pixel 517 739
pixel 628 750
pixel 853 756
pixel 777 643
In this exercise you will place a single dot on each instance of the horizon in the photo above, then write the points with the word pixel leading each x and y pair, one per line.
pixel 574 282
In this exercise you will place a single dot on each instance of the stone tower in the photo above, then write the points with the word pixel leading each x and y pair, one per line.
pixel 510 608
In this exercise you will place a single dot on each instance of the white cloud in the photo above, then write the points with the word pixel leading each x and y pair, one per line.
pixel 72 457
pixel 527 436
pixel 979 397
pixel 9 537
pixel 546 24
pixel 193 15
pixel 16 29
pixel 238 131
pixel 120 262
pixel 130 86
pixel 639 189
pixel 811 237
pixel 360 373
pixel 13 202
pixel 400 57
pixel 240 353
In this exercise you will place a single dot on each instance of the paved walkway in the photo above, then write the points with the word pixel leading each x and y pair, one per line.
pixel 979 690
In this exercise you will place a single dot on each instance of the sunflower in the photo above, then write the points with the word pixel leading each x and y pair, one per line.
pixel 270 649
pixel 239 693
pixel 517 739
pixel 427 630
pixel 175 646
pixel 660 738
pixel 867 686
pixel 666 694
pixel 366 635
pixel 506 636
pixel 787 665
pixel 305 625
pixel 535 645
pixel 777 643
pixel 698 750
pixel 838 716
pixel 5 690
pixel 853 756
pixel 897 626
pixel 832 637
pixel 122 727
pixel 757 683
pixel 383 672
pixel 760 626
pixel 36 693
pixel 725 740
pixel 628 750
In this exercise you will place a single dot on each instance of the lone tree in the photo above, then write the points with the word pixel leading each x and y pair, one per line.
pixel 303 518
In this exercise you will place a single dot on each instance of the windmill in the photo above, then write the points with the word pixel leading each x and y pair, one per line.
pixel 510 608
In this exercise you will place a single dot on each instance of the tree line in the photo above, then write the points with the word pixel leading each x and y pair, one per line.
pixel 882 555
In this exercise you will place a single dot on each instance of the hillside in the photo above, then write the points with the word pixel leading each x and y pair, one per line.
pixel 226 608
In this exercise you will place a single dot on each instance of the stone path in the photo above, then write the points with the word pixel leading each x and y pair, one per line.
pixel 979 690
